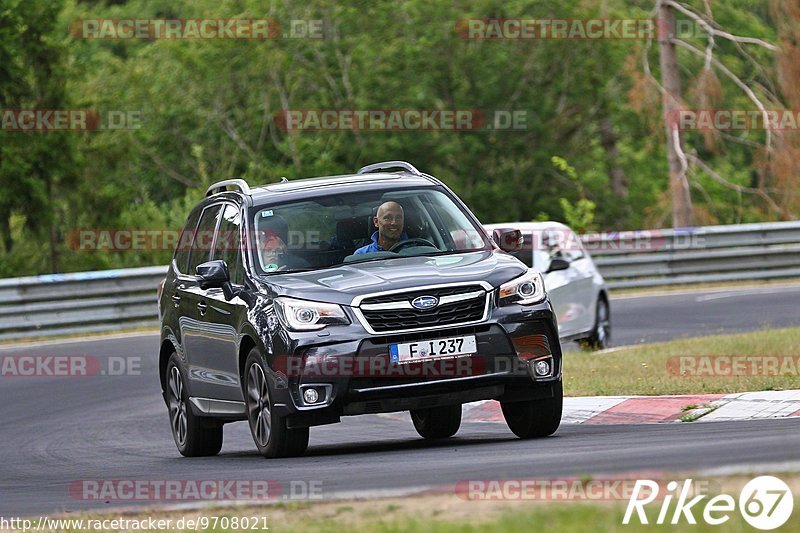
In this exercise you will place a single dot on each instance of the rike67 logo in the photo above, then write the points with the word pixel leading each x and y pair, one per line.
pixel 765 503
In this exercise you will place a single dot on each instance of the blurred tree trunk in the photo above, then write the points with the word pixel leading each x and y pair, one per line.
pixel 783 166
pixel 608 139
pixel 670 80
pixel 5 231
pixel 55 263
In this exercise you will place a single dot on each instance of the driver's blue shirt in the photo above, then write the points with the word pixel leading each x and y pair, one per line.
pixel 374 246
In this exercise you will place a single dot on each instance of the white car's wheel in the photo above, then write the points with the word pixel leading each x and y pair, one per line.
pixel 601 334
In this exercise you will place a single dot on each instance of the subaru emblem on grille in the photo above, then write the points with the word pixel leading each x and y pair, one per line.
pixel 425 302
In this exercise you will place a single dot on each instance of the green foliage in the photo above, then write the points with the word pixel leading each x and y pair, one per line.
pixel 35 169
pixel 561 164
pixel 208 109
pixel 580 215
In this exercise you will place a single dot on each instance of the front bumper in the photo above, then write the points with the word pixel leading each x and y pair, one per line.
pixel 352 372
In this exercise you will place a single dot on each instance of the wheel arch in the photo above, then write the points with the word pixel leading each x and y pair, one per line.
pixel 245 345
pixel 164 353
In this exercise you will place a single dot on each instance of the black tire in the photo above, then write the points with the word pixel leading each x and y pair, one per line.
pixel 600 338
pixel 194 436
pixel 270 433
pixel 535 418
pixel 437 422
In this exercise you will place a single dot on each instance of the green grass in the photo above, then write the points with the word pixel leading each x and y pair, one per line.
pixel 563 518
pixel 644 370
pixel 447 512
pixel 423 515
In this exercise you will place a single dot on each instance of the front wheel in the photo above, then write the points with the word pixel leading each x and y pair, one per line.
pixel 270 433
pixel 535 418
pixel 194 436
pixel 437 422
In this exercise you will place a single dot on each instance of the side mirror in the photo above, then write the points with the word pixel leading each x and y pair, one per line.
pixel 509 240
pixel 558 264
pixel 213 274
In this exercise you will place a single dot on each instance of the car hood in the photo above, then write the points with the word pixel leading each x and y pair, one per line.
pixel 341 284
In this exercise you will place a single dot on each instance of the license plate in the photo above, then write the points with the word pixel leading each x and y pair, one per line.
pixel 414 351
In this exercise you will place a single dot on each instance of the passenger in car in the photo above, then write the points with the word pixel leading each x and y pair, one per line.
pixel 272 238
pixel 390 223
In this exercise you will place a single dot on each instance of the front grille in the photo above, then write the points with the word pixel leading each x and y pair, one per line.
pixel 445 314
pixel 410 295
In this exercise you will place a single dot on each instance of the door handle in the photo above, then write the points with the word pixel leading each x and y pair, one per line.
pixel 202 306
pixel 176 300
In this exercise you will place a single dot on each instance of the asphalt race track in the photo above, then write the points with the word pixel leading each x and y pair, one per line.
pixel 56 431
pixel 711 312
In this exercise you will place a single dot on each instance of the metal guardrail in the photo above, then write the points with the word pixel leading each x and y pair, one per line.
pixel 697 255
pixel 82 302
pixel 86 302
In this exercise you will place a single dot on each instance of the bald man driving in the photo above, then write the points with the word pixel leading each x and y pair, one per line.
pixel 389 221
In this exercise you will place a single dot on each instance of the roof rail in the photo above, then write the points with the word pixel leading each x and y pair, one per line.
pixel 390 164
pixel 221 186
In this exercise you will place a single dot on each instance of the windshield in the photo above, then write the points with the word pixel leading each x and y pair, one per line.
pixel 349 228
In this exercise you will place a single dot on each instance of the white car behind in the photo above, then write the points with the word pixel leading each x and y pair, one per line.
pixel 577 290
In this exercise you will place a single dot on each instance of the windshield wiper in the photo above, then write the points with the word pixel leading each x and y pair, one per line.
pixel 368 260
pixel 292 271
pixel 445 252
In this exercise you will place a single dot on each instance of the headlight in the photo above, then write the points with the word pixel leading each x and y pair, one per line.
pixel 525 290
pixel 301 315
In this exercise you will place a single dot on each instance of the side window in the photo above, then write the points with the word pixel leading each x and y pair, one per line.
pixel 226 246
pixel 185 241
pixel 203 238
pixel 564 244
pixel 455 224
pixel 458 235
pixel 552 244
pixel 574 247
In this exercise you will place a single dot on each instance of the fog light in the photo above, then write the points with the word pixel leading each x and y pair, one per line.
pixel 311 396
pixel 542 368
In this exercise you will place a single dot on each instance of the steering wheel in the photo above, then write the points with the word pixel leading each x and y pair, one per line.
pixel 410 242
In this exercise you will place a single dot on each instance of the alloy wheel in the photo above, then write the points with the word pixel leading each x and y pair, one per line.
pixel 258 405
pixel 177 406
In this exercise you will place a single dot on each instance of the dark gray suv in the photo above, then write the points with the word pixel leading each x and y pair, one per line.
pixel 293 304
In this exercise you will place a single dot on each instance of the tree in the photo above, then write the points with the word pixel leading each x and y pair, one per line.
pixel 774 157
pixel 671 83
pixel 35 167
pixel 209 106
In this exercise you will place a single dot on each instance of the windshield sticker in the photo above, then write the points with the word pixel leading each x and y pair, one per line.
pixel 267 213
